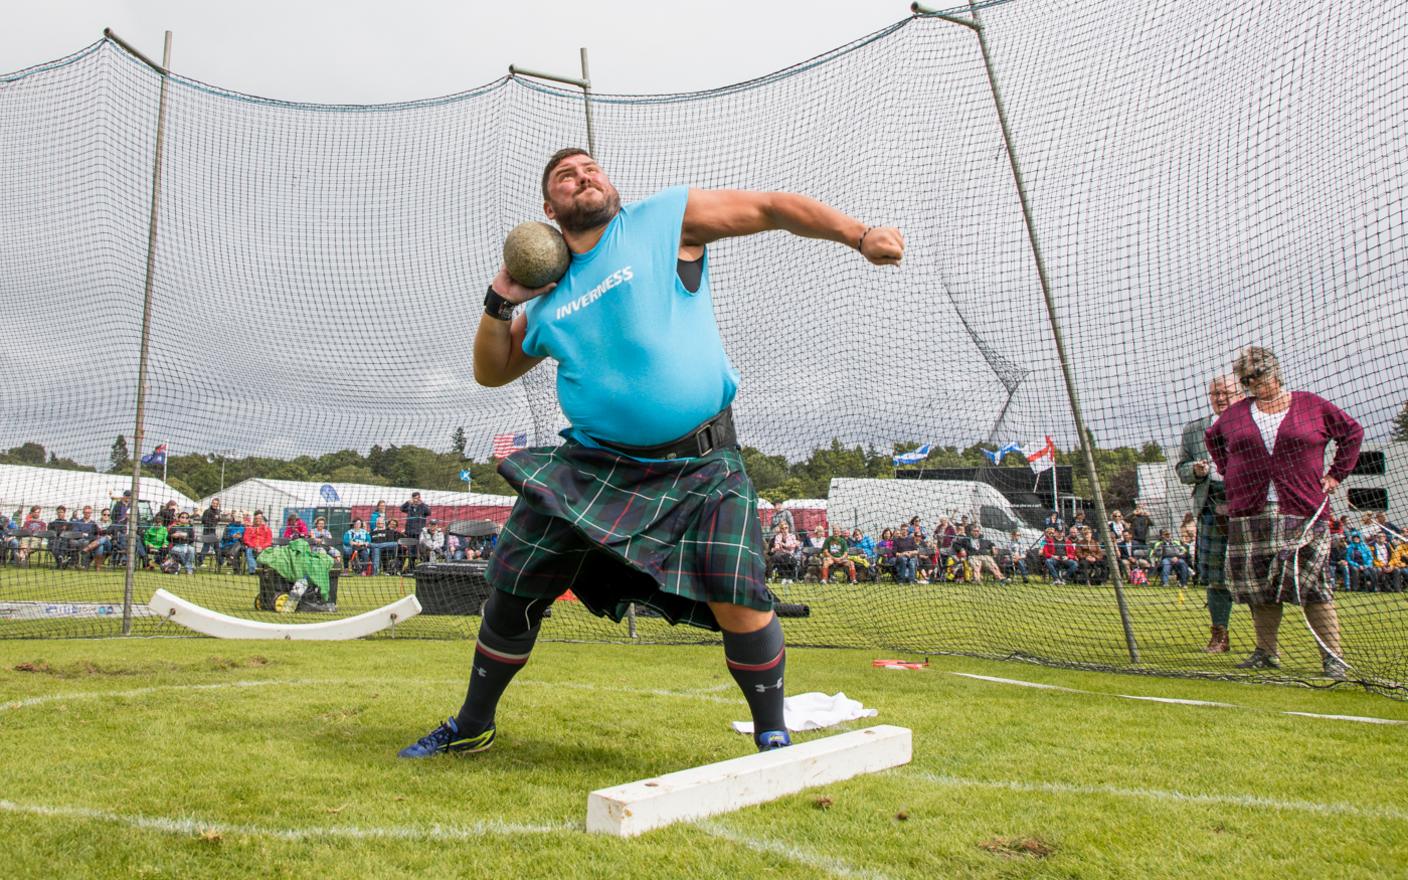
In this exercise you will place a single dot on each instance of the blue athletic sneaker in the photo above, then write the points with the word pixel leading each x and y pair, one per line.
pixel 773 739
pixel 446 738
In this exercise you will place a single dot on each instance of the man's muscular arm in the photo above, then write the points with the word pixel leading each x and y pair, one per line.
pixel 711 215
pixel 498 345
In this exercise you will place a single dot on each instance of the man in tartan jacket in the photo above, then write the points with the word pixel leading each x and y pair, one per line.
pixel 647 500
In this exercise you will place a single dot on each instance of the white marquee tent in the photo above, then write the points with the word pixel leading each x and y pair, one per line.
pixel 23 487
pixel 274 496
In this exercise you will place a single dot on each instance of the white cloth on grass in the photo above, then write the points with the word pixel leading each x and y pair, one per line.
pixel 815 710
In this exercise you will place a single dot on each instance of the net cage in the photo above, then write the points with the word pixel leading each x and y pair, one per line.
pixel 1201 178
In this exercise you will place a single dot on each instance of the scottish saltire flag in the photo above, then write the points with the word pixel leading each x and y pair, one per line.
pixel 156 456
pixel 507 444
pixel 917 455
pixel 996 455
pixel 1040 459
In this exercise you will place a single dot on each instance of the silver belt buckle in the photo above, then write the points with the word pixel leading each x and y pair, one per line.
pixel 705 446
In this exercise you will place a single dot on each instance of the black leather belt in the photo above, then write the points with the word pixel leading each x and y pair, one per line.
pixel 714 433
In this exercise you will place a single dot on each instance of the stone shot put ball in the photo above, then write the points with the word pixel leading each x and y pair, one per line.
pixel 535 254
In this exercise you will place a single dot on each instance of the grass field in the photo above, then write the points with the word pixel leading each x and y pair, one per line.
pixel 192 757
pixel 1070 624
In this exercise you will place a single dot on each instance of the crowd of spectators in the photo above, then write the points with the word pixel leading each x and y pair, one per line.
pixel 73 539
pixel 953 550
pixel 1371 555
pixel 176 541
pixel 1368 553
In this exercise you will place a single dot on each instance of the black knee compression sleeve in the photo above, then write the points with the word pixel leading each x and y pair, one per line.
pixel 506 636
pixel 513 616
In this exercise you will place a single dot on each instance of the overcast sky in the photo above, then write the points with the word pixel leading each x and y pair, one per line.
pixel 362 52
pixel 1204 177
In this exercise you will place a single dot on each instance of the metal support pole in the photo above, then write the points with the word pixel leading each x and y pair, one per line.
pixel 584 83
pixel 515 70
pixel 132 50
pixel 925 9
pixel 133 512
pixel 587 103
pixel 976 25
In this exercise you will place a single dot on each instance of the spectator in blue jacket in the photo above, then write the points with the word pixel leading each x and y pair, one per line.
pixel 82 550
pixel 1358 565
pixel 231 540
pixel 863 544
pixel 357 546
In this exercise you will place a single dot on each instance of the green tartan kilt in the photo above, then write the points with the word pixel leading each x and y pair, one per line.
pixel 672 535
pixel 1211 549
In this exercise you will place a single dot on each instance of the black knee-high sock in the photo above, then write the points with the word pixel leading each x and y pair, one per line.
pixel 506 637
pixel 757 661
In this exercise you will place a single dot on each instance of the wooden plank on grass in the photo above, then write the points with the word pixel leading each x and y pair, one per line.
pixel 637 807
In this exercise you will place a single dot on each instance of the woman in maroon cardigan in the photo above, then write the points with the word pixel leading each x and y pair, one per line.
pixel 1270 450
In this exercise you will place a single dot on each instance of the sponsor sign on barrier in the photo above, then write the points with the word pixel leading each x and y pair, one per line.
pixel 44 610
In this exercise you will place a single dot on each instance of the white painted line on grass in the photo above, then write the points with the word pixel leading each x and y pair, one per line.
pixel 703 695
pixel 220 685
pixel 1238 800
pixel 1363 719
pixel 1176 701
pixel 833 866
pixel 141 692
pixel 190 825
pixel 1019 682
pixel 712 689
pixel 655 692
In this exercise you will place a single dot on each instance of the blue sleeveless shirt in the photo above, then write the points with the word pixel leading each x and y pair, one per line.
pixel 639 358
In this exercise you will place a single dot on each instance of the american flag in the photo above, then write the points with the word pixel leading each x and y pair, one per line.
pixel 507 444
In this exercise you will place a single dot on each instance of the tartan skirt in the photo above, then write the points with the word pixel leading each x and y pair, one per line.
pixel 1211 549
pixel 672 535
pixel 1264 566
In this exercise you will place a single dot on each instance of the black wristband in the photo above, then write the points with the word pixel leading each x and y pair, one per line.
pixel 497 307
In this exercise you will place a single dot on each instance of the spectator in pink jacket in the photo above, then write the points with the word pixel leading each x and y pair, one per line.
pixel 782 550
pixel 1270 449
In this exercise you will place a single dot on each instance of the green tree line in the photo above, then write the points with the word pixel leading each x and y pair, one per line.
pixel 34 455
pixel 776 478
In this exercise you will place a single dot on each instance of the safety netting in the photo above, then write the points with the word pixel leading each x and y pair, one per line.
pixel 1203 177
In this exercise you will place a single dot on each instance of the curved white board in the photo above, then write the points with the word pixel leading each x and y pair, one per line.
pixel 223 626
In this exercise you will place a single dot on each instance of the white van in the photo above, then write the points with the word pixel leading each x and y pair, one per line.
pixel 873 505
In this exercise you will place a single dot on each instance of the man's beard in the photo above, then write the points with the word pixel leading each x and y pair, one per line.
pixel 581 219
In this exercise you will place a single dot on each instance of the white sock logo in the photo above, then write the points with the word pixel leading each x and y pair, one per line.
pixel 764 688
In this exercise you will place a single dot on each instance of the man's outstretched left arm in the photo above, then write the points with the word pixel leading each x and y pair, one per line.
pixel 714 214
